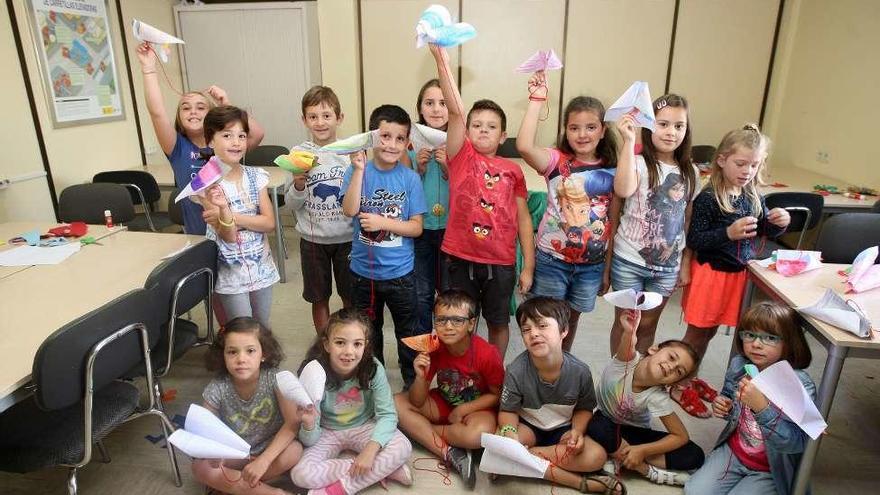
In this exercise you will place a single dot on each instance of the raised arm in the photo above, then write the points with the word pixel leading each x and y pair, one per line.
pixel 255 130
pixel 626 180
pixel 455 130
pixel 351 202
pixel 629 320
pixel 537 157
pixel 162 126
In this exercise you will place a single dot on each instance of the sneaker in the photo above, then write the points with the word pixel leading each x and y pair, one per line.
pixel 689 400
pixel 666 477
pixel 463 461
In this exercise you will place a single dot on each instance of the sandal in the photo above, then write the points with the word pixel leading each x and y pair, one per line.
pixel 704 390
pixel 689 400
pixel 613 485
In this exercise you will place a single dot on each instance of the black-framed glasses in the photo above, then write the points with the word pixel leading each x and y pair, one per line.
pixel 455 321
pixel 765 338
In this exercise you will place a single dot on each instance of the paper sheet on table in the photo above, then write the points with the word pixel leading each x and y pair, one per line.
pixel 632 299
pixel 358 142
pixel 635 101
pixel 158 38
pixel 783 388
pixel 210 174
pixel 205 436
pixel 435 26
pixel 422 136
pixel 308 389
pixel 36 255
pixel 178 251
pixel 834 310
pixel 506 456
pixel 541 60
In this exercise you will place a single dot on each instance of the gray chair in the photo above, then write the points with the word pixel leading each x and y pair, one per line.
pixel 805 210
pixel 144 190
pixel 845 235
pixel 264 155
pixel 87 202
pixel 77 398
pixel 702 153
pixel 175 211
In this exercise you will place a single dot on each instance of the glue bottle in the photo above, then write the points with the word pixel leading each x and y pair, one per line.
pixel 108 219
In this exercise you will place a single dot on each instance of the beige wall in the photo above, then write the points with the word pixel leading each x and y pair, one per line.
pixel 340 70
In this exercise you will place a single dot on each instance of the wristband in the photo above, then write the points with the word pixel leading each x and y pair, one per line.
pixel 231 223
pixel 507 428
pixel 537 98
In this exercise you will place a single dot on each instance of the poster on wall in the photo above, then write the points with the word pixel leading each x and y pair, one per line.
pixel 75 51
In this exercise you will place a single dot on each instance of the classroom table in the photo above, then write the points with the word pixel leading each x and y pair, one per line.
pixel 277 185
pixel 42 299
pixel 9 230
pixel 803 180
pixel 804 290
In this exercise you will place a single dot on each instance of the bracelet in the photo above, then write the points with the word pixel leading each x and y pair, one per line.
pixel 537 98
pixel 231 223
pixel 507 428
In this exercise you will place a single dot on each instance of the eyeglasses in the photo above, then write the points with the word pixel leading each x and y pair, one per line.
pixel 766 338
pixel 455 321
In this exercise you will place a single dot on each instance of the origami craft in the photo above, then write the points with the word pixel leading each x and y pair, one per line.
pixel 751 370
pixel 422 136
pixel 832 309
pixel 308 389
pixel 427 342
pixel 636 102
pixel 156 38
pixel 503 455
pixel 864 274
pixel 351 144
pixel 209 175
pixel 790 262
pixel 435 26
pixel 541 60
pixel 297 161
pixel 632 299
pixel 205 436
pixel 779 383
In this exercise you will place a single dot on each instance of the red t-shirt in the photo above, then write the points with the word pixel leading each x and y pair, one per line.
pixel 465 378
pixel 482 224
pixel 747 443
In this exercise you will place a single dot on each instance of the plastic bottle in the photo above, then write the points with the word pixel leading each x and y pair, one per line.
pixel 108 219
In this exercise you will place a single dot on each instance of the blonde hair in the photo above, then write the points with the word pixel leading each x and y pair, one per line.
pixel 178 124
pixel 750 137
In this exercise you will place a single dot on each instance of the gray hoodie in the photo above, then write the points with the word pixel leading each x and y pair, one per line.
pixel 318 208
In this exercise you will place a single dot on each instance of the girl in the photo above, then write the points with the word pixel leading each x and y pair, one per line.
pixel 654 210
pixel 357 413
pixel 727 216
pixel 759 450
pixel 239 214
pixel 182 141
pixel 244 396
pixel 632 392
pixel 431 165
pixel 573 234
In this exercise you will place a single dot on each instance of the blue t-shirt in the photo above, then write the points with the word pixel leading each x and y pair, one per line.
pixel 436 190
pixel 395 193
pixel 186 161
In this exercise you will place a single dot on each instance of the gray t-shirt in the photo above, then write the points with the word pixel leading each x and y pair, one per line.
pixel 256 420
pixel 547 405
pixel 618 401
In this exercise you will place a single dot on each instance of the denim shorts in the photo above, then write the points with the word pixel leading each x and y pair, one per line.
pixel 576 283
pixel 628 275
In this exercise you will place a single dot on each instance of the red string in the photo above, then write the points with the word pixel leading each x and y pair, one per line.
pixel 546 100
pixel 162 66
pixel 740 422
pixel 230 480
pixel 441 443
pixel 238 240
pixel 554 464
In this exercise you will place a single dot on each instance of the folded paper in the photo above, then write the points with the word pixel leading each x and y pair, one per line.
pixel 209 175
pixel 503 455
pixel 155 37
pixel 781 385
pixel 864 273
pixel 636 102
pixel 308 389
pixel 351 144
pixel 633 299
pixel 541 60
pixel 435 26
pixel 297 161
pixel 832 309
pixel 751 370
pixel 205 436
pixel 32 238
pixel 790 262
pixel 422 136
pixel 427 342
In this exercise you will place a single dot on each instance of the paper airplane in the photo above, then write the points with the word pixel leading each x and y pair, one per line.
pixel 308 389
pixel 541 60
pixel 779 383
pixel 832 309
pixel 632 299
pixel 351 144
pixel 864 273
pixel 205 436
pixel 435 26
pixel 504 455
pixel 209 175
pixel 636 102
pixel 155 37
pixel 297 161
pixel 422 343
pixel 422 136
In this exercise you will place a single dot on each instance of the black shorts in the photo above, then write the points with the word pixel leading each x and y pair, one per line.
pixel 319 262
pixel 490 285
pixel 545 438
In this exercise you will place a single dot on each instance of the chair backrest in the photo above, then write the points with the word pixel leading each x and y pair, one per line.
pixel 794 200
pixel 175 211
pixel 141 179
pixel 845 235
pixel 60 363
pixel 264 155
pixel 87 202
pixel 876 207
pixel 702 153
pixel 508 149
pixel 165 278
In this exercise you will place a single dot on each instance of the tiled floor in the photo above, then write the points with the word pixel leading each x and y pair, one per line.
pixel 848 459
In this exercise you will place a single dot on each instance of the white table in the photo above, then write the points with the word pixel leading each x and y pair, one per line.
pixel 9 230
pixel 803 180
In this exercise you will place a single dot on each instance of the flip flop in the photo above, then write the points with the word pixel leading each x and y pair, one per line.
pixel 704 390
pixel 611 483
pixel 689 400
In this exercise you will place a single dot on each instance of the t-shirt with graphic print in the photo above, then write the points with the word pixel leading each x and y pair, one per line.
pixel 482 225
pixel 395 193
pixel 547 405
pixel 576 227
pixel 618 401
pixel 318 207
pixel 747 442
pixel 256 420
pixel 465 378
pixel 651 232
pixel 186 161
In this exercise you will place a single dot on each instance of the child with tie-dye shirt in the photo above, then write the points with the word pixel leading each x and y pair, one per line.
pixel 357 413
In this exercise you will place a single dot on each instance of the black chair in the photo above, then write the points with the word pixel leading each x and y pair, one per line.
pixel 876 207
pixel 87 202
pixel 702 153
pixel 144 191
pixel 77 398
pixel 175 211
pixel 264 155
pixel 805 210
pixel 508 149
pixel 845 235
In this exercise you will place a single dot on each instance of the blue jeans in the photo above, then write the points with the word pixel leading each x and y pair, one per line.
pixel 573 282
pixel 722 473
pixel 427 253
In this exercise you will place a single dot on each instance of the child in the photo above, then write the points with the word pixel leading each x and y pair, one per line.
pixel 759 449
pixel 325 233
pixel 183 141
pixel 574 233
pixel 631 392
pixel 656 187
pixel 727 216
pixel 356 413
pixel 488 209
pixel 239 214
pixel 244 396
pixel 469 376
pixel 386 198
pixel 548 400
pixel 431 165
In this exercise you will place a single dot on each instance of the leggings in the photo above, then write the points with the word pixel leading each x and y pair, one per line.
pixel 321 466
pixel 257 304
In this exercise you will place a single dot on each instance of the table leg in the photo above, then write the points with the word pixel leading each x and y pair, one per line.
pixel 827 389
pixel 279 240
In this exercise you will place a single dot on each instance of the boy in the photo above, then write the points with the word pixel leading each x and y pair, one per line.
pixel 469 376
pixel 385 199
pixel 632 391
pixel 548 400
pixel 325 233
pixel 487 209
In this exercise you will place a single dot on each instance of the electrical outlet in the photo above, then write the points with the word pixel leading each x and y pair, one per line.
pixel 4 183
pixel 151 149
pixel 823 157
